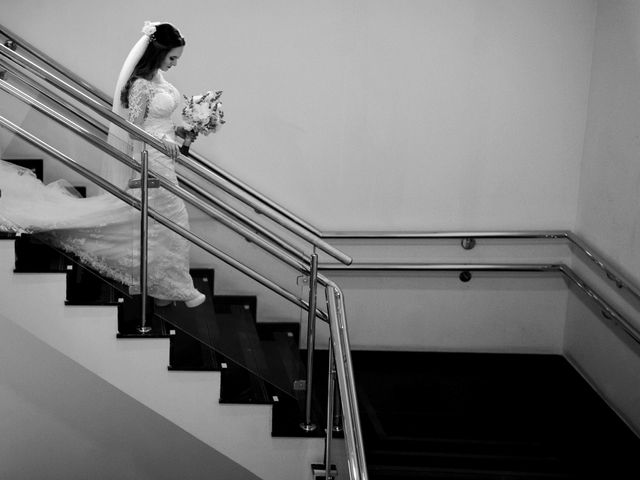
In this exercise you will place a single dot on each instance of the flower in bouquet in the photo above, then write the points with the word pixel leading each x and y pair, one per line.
pixel 202 114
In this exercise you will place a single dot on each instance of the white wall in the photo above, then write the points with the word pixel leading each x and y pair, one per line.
pixel 608 214
pixel 412 115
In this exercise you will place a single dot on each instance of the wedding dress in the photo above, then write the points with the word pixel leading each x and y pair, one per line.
pixel 102 230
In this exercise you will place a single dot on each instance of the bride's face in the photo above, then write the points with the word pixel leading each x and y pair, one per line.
pixel 171 60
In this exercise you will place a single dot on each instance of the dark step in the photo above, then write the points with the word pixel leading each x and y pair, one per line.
pixel 254 359
pixel 163 320
pixel 289 414
pixel 84 285
pixel 36 165
pixel 260 358
pixel 277 348
pixel 130 320
pixel 35 256
pixel 188 354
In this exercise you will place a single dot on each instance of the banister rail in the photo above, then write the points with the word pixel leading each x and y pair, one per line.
pixel 342 354
pixel 239 190
pixel 613 274
pixel 80 115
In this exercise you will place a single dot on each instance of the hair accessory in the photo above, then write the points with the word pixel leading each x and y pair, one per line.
pixel 149 29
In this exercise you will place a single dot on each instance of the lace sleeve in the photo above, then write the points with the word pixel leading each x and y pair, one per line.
pixel 139 101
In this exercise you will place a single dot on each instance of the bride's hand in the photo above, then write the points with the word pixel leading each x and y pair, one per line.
pixel 173 149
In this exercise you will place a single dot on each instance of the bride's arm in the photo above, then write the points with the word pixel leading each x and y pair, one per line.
pixel 139 97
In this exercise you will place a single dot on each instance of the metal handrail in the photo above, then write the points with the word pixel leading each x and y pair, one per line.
pixel 565 270
pixel 613 274
pixel 420 235
pixel 255 194
pixel 206 169
pixel 344 369
pixel 58 100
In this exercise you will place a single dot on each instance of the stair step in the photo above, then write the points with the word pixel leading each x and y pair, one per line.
pixel 36 165
pixel 188 354
pixel 35 256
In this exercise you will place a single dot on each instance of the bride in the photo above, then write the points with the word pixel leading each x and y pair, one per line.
pixel 102 230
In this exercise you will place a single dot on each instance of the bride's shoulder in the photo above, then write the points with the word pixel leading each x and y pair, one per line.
pixel 140 85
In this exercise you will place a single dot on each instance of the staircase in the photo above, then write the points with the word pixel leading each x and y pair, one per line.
pixel 174 373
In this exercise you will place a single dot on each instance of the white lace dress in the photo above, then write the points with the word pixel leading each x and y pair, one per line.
pixel 102 230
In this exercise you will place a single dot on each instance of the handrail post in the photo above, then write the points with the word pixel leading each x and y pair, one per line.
pixel 330 402
pixel 144 234
pixel 308 425
pixel 337 411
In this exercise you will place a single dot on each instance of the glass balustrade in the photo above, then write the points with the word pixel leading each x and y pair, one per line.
pixel 223 327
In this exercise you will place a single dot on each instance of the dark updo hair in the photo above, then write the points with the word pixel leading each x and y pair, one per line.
pixel 161 42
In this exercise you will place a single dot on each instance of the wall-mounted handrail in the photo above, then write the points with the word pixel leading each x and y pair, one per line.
pixel 425 267
pixel 47 60
pixel 598 259
pixel 608 311
pixel 202 167
pixel 613 274
pixel 420 235
pixel 565 270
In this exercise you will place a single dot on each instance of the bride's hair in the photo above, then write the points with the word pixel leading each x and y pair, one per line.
pixel 165 38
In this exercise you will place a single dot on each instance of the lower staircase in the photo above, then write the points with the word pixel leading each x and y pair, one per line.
pixel 424 415
pixel 175 370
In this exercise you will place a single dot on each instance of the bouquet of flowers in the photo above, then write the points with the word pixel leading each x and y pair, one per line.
pixel 201 114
